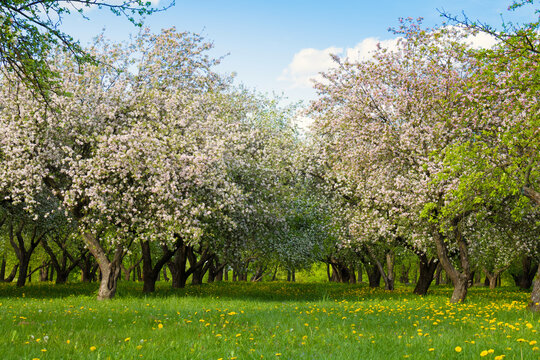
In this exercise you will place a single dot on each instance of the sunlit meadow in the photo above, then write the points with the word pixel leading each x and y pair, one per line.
pixel 264 321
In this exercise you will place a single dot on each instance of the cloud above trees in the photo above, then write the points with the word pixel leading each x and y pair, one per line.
pixel 308 63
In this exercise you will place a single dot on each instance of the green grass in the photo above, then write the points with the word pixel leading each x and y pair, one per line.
pixel 265 320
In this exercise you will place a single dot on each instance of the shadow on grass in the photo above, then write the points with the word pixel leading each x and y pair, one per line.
pixel 265 291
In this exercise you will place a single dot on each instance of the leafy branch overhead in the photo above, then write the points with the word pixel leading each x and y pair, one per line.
pixel 30 29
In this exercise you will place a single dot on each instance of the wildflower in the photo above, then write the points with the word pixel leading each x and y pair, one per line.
pixel 484 353
pixel 127 339
pixel 431 349
pixel 458 348
pixel 532 342
pixel 160 326
pixel 499 357
pixel 92 348
pixel 139 347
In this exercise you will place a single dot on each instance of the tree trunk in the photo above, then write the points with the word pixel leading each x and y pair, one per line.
pixel 23 271
pixel 11 276
pixel 438 274
pixel 352 278
pixel 86 267
pixel 151 273
pixel 388 276
pixel 259 272
pixel 493 277
pixel 461 284
pixel 23 254
pixel 177 266
pixel 219 274
pixel 44 273
pixel 524 278
pixel 197 276
pixel 149 276
pixel 460 279
pixel 110 272
pixel 532 194
pixel 165 276
pixel 426 271
pixel 359 279
pixel 215 271
pixel 3 269
pixel 109 269
pixel 404 275
pixel 374 276
pixel 62 277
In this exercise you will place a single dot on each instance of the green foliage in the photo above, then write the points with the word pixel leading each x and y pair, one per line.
pixel 29 30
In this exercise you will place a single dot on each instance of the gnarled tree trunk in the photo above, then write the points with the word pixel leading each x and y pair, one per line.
pixel 427 269
pixel 151 273
pixel 388 275
pixel 460 279
pixel 109 269
pixel 535 295
pixel 23 254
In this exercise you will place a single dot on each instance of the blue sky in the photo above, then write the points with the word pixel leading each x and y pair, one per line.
pixel 274 45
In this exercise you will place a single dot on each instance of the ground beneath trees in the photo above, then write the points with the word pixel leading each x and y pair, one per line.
pixel 264 321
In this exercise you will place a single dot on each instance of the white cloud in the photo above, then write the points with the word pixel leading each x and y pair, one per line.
pixel 481 41
pixel 307 64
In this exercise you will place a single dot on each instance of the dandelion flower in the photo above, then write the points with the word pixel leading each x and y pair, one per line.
pixel 458 348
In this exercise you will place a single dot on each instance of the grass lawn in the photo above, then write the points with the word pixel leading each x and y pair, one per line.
pixel 264 321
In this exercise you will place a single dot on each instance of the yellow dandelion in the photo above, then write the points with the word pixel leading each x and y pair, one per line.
pixel 160 326
pixel 431 349
pixel 127 339
pixel 67 341
pixel 92 348
pixel 139 347
pixel 43 350
pixel 535 348
pixel 278 354
pixel 458 349
pixel 532 342
pixel 238 335
pixel 499 357
pixel 484 353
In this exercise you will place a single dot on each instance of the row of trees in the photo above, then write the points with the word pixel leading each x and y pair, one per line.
pixel 148 155
pixel 434 145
